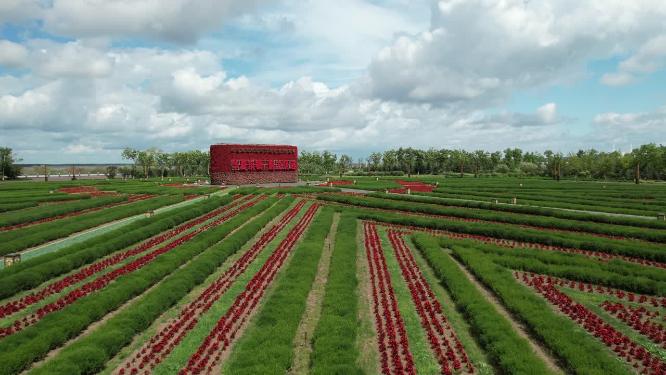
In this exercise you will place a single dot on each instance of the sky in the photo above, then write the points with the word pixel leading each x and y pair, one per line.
pixel 82 79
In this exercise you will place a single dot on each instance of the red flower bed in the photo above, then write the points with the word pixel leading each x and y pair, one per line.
pixel 168 337
pixel 209 353
pixel 337 183
pixel 105 279
pixel 625 348
pixel 443 341
pixel 58 286
pixel 640 319
pixel 395 356
pixel 88 190
pixel 412 186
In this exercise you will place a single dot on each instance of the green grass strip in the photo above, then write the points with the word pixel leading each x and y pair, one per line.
pixel 333 343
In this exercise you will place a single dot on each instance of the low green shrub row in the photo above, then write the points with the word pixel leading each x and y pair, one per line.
pixel 579 352
pixel 23 238
pixel 615 274
pixel 529 210
pixel 503 231
pixel 503 217
pixel 267 345
pixel 334 341
pixel 546 203
pixel 97 348
pixel 510 353
pixel 20 350
pixel 4 207
pixel 56 197
pixel 42 212
pixel 34 271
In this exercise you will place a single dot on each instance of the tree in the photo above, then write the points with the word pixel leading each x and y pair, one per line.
pixel 111 171
pixel 8 161
pixel 131 154
pixel 344 163
pixel 375 160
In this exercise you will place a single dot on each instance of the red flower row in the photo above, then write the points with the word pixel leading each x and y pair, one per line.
pixel 58 286
pixel 414 186
pixel 640 319
pixel 443 340
pixel 636 355
pixel 168 337
pixel 209 353
pixel 105 279
pixel 388 321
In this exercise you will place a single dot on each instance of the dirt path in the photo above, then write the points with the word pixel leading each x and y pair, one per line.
pixel 306 328
pixel 522 331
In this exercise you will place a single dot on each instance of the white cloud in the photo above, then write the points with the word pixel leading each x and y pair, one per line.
pixel 630 128
pixel 479 51
pixel 12 54
pixel 547 112
pixel 174 20
pixel 650 57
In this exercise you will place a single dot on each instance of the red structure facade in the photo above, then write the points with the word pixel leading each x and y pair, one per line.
pixel 237 164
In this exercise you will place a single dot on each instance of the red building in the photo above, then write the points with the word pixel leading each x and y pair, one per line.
pixel 236 164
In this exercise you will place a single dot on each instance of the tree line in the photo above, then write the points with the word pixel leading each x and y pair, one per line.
pixel 645 162
pixel 154 162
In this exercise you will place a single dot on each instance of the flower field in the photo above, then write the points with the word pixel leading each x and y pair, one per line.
pixel 435 277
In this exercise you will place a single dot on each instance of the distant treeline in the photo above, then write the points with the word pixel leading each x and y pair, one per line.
pixel 646 162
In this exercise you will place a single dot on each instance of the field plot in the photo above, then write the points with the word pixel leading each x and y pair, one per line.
pixel 435 276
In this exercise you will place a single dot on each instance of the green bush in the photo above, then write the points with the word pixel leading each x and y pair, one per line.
pixel 579 351
pixel 334 341
pixel 23 238
pixel 267 345
pixel 108 339
pixel 510 353
pixel 34 271
pixel 23 348
pixel 42 212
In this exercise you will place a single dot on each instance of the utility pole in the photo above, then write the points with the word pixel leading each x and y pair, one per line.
pixel 46 174
pixel 3 166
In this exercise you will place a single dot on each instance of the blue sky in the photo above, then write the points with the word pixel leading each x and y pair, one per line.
pixel 80 80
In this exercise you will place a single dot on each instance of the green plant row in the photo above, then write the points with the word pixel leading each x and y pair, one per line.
pixel 42 212
pixel 31 273
pixel 267 346
pixel 579 352
pixel 549 203
pixel 508 218
pixel 48 198
pixel 502 231
pixel 4 207
pixel 334 341
pixel 615 274
pixel 23 238
pixel 529 210
pixel 20 350
pixel 90 354
pixel 510 353
pixel 574 196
